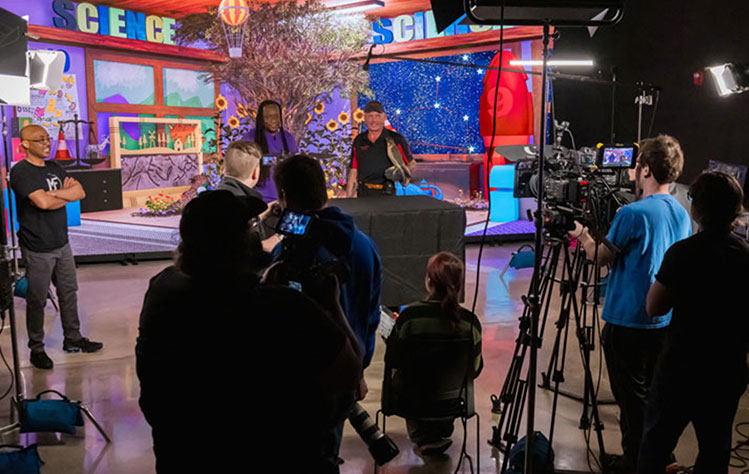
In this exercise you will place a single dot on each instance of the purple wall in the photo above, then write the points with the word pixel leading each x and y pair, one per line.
pixel 39 11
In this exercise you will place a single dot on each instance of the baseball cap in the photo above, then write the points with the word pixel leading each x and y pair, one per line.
pixel 374 106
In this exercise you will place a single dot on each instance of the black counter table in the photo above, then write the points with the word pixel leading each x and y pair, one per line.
pixel 407 230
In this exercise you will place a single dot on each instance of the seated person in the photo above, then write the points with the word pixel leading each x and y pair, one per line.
pixel 216 349
pixel 701 372
pixel 438 315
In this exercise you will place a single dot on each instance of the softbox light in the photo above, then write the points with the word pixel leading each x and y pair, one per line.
pixel 529 12
pixel 46 68
pixel 14 81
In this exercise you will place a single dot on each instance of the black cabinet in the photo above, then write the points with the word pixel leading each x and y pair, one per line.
pixel 103 189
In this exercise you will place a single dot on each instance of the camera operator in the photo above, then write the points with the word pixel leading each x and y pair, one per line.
pixel 639 236
pixel 207 319
pixel 701 373
pixel 333 235
pixel 241 173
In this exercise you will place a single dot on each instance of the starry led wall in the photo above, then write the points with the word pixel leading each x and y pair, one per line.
pixel 435 106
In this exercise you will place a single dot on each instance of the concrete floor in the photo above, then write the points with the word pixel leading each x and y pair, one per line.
pixel 110 299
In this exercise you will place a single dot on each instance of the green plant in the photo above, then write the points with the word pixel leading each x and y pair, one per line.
pixel 297 53
pixel 330 142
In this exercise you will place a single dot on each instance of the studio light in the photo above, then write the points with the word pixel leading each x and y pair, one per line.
pixel 46 69
pixel 554 62
pixel 730 78
pixel 353 6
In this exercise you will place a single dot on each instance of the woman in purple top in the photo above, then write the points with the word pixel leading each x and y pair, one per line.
pixel 270 135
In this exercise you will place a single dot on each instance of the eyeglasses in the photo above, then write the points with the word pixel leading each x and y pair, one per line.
pixel 41 140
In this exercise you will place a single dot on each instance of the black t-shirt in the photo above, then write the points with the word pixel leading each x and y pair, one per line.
pixel 39 230
pixel 241 358
pixel 708 275
pixel 371 159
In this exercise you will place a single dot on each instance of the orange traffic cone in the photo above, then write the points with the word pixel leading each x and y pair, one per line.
pixel 62 148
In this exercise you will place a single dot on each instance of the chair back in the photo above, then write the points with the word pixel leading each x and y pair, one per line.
pixel 428 377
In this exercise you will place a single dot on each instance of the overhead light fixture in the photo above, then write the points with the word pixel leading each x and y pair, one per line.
pixel 730 78
pixel 554 62
pixel 353 6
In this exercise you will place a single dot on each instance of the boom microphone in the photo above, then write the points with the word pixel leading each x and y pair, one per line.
pixel 365 66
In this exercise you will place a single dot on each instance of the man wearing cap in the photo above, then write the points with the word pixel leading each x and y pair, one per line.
pixel 379 157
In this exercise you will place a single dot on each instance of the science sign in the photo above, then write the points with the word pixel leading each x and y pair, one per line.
pixel 117 22
pixel 418 26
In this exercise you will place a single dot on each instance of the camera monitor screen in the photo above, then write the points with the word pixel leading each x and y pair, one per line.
pixel 617 157
pixel 293 223
pixel 270 159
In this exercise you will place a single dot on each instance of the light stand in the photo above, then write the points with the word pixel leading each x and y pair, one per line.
pixel 9 257
pixel 533 294
pixel 535 16
pixel 645 98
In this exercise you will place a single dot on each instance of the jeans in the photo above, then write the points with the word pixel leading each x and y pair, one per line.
pixel 56 266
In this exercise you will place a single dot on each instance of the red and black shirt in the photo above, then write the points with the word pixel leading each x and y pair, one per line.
pixel 371 159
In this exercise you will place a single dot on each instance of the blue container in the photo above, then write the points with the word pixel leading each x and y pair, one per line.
pixel 73 209
pixel 504 207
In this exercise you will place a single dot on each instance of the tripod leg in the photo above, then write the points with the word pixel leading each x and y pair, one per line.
pixel 590 393
pixel 90 416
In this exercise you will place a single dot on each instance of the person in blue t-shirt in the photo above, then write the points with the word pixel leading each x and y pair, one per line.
pixel 635 245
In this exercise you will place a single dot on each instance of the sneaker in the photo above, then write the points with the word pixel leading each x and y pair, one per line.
pixel 81 345
pixel 41 360
pixel 617 464
pixel 435 447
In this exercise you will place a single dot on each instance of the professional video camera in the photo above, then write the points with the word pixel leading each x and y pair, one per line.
pixel 579 185
pixel 307 265
pixel 306 261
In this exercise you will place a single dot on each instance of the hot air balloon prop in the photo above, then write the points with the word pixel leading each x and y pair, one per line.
pixel 234 15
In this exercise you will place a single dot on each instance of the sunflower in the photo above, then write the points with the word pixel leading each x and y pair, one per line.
pixel 309 117
pixel 319 108
pixel 241 110
pixel 332 125
pixel 343 117
pixel 221 102
pixel 358 115
pixel 233 122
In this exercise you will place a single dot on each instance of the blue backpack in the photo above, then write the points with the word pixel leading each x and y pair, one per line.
pixel 543 456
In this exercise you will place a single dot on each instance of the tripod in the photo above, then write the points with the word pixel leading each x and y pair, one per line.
pixel 586 327
pixel 508 407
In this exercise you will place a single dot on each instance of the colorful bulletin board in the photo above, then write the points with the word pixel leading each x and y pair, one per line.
pixel 47 109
